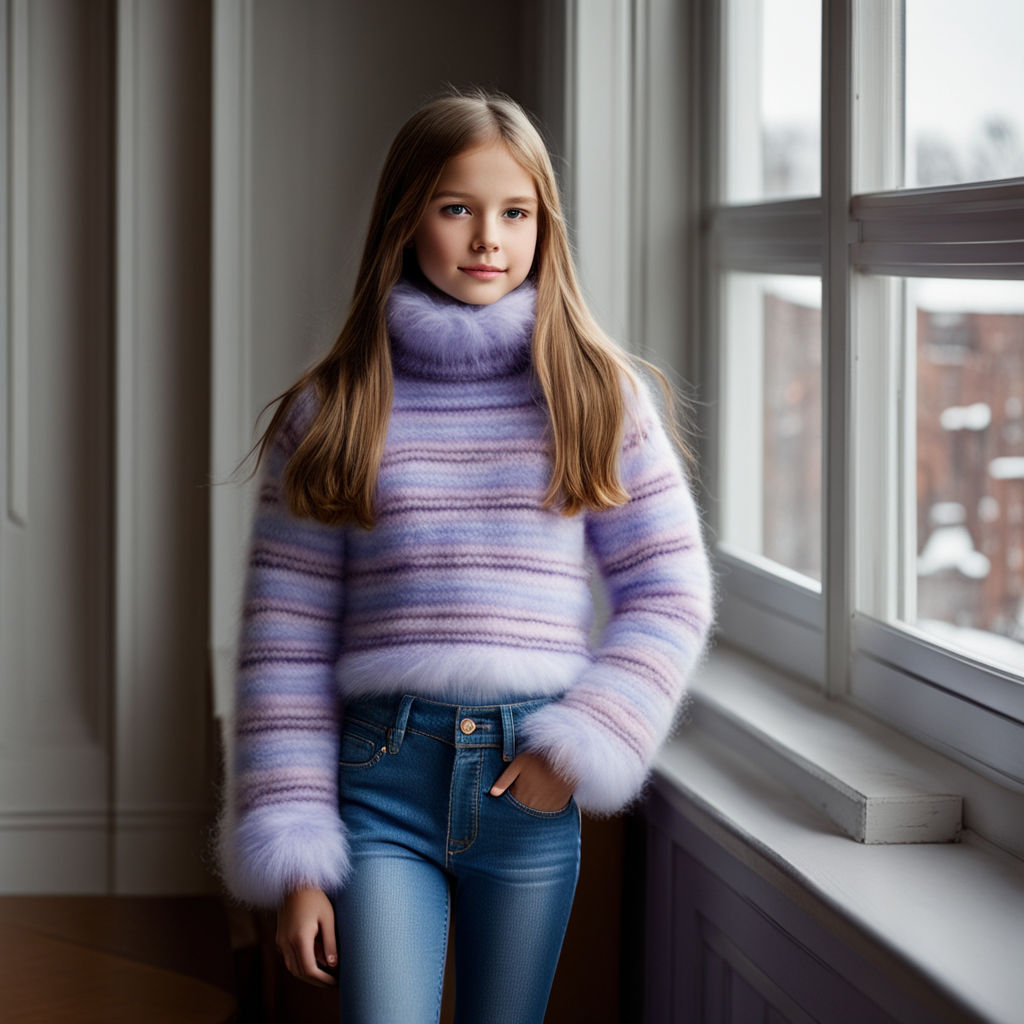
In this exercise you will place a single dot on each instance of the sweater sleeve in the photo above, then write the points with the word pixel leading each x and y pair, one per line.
pixel 605 730
pixel 280 828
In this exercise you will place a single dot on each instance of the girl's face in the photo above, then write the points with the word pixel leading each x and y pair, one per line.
pixel 478 236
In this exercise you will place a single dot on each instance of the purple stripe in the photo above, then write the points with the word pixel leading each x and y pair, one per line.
pixel 491 639
pixel 304 723
pixel 637 666
pixel 446 508
pixel 646 554
pixel 265 560
pixel 612 725
pixel 268 657
pixel 426 565
pixel 266 606
pixel 461 456
pixel 412 620
pixel 448 409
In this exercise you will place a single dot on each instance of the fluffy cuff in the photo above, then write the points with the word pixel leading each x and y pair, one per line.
pixel 271 852
pixel 609 775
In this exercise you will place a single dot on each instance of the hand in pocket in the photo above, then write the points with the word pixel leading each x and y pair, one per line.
pixel 534 783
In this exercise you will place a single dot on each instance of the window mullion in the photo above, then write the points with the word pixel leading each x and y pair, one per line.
pixel 878 122
pixel 836 137
pixel 773 238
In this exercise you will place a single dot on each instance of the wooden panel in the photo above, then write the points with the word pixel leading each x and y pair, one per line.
pixel 714 987
pixel 104 703
pixel 740 948
pixel 55 531
pixel 658 951
pixel 748 993
pixel 162 760
pixel 764 963
pixel 746 1004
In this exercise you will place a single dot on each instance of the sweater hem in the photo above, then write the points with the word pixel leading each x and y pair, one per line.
pixel 458 672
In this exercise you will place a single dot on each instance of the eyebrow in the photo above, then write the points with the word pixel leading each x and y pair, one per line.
pixel 511 201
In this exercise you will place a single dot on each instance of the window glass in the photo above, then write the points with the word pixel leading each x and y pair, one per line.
pixel 964 80
pixel 772 99
pixel 771 428
pixel 968 351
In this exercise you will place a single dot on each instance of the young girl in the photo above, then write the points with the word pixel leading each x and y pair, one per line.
pixel 420 712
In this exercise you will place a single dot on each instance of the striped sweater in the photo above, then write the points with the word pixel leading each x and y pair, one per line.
pixel 466 589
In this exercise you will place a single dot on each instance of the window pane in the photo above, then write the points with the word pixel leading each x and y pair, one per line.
pixel 964 89
pixel 970 465
pixel 772 99
pixel 771 404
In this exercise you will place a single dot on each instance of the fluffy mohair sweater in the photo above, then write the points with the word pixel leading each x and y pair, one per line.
pixel 465 590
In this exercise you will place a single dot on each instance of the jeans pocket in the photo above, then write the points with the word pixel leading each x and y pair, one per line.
pixel 363 744
pixel 535 812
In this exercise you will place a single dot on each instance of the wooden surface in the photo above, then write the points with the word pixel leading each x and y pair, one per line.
pixel 113 960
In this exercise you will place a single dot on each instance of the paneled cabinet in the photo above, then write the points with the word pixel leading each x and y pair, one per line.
pixel 729 939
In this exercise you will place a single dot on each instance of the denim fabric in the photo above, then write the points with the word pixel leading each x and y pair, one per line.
pixel 429 844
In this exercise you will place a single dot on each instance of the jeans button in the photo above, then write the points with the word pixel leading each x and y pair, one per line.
pixel 468 726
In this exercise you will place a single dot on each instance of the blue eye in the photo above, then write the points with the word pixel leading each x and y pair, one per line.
pixel 456 209
pixel 515 214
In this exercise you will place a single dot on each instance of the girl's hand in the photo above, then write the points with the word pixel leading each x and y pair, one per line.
pixel 305 936
pixel 533 782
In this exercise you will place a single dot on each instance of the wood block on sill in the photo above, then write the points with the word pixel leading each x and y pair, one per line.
pixel 870 781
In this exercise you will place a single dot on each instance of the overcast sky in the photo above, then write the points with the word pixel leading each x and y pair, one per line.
pixel 965 63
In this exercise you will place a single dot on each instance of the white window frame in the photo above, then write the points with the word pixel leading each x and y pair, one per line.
pixel 765 609
pixel 963 707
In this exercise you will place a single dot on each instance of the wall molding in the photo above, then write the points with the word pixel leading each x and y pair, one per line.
pixel 55 440
pixel 161 755
pixel 16 183
pixel 231 362
pixel 126 597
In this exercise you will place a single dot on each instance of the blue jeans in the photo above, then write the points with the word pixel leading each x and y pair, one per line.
pixel 430 844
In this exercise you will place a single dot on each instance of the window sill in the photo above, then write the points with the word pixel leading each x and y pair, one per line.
pixel 875 784
pixel 949 911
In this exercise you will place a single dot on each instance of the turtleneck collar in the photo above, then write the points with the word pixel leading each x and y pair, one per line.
pixel 440 338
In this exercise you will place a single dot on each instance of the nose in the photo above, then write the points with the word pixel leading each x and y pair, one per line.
pixel 486 239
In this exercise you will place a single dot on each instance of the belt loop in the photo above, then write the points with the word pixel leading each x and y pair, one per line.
pixel 397 732
pixel 508 730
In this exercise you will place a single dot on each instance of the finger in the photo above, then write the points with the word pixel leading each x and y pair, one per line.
pixel 506 778
pixel 321 958
pixel 330 944
pixel 308 970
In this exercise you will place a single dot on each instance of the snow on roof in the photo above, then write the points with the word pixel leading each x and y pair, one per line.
pixel 951 547
pixel 1007 467
pixel 966 417
pixel 947 513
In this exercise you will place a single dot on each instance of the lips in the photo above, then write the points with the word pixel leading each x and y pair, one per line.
pixel 483 271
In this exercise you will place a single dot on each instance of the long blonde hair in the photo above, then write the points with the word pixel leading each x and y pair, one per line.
pixel 332 475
